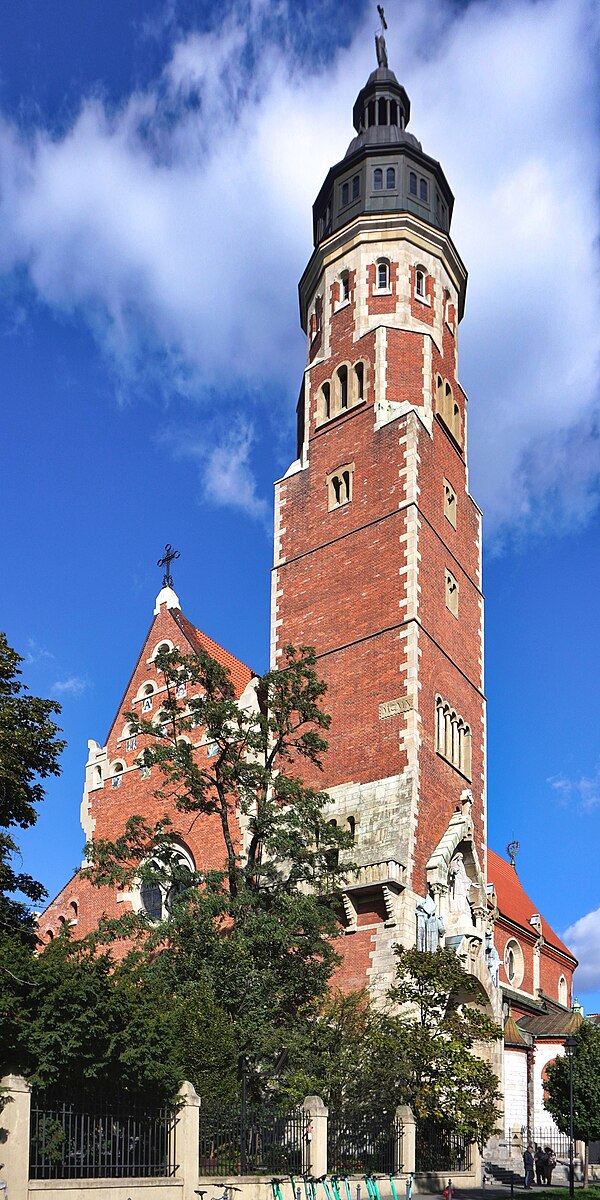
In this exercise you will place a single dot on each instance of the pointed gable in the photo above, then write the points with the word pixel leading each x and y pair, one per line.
pixel 171 626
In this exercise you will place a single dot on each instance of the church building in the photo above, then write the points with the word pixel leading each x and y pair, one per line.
pixel 377 564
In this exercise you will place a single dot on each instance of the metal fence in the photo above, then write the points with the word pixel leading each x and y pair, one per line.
pixel 97 1138
pixel 255 1142
pixel 548 1136
pixel 357 1142
pixel 437 1149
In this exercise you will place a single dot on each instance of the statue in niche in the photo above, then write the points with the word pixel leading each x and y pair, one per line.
pixel 460 886
pixel 430 927
pixel 492 958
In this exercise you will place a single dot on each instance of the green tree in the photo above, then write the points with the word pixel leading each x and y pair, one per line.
pixel 586 1089
pixel 423 1047
pixel 259 932
pixel 29 752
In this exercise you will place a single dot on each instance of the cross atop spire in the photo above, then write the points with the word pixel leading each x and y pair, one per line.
pixel 380 46
pixel 169 556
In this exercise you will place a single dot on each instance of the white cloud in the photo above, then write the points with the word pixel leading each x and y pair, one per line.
pixel 224 458
pixel 72 686
pixel 182 221
pixel 583 938
pixel 584 791
pixel 36 653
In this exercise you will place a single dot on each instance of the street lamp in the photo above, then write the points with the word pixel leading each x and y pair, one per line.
pixel 570 1044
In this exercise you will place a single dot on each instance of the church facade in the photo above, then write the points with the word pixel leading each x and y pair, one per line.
pixel 377 564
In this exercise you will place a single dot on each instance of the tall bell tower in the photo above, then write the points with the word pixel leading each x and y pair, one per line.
pixel 378 541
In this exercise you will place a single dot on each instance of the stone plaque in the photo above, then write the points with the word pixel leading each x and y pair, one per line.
pixel 391 708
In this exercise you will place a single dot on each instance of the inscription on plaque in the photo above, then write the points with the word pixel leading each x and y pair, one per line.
pixel 391 708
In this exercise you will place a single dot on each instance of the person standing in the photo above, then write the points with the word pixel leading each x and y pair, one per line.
pixel 540 1166
pixel 528 1167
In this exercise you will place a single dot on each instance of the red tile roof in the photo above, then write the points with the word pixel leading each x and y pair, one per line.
pixel 240 673
pixel 514 903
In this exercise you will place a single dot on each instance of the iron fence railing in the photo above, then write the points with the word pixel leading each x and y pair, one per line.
pixel 254 1142
pixel 438 1149
pixel 97 1138
pixel 548 1136
pixel 360 1143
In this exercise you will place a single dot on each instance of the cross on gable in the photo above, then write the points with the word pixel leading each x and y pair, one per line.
pixel 169 556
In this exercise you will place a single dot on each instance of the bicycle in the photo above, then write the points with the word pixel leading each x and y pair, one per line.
pixel 228 1189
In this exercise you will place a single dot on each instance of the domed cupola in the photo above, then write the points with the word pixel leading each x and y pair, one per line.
pixel 384 169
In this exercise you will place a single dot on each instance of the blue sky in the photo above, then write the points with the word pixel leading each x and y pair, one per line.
pixel 158 163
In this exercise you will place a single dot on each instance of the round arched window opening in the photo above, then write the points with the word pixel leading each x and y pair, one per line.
pixel 174 875
pixel 514 964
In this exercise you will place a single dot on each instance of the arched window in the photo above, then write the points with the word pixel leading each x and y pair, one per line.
pixel 344 287
pixel 339 487
pixel 359 373
pixel 117 774
pixel 371 113
pixel 390 177
pixel 563 994
pixel 423 190
pixel 377 179
pixel 326 401
pixel 74 909
pixel 420 282
pixel 412 183
pixel 351 823
pixel 383 111
pixel 383 275
pixel 356 187
pixel 342 375
pixel 345 193
pixel 167 879
pixel 452 737
pixel 394 112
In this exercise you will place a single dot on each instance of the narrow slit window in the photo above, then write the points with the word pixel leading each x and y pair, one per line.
pixel 356 187
pixel 345 194
pixel 359 371
pixel 412 183
pixel 420 283
pixel 390 177
pixel 343 386
pixel 344 287
pixel 326 400
pixel 423 190
pixel 377 179
pixel 383 111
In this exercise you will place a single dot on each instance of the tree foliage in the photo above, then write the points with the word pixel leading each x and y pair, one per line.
pixel 259 931
pixel 586 1086
pixel 29 752
pixel 422 1049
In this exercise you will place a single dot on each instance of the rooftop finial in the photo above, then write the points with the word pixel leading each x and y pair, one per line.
pixel 380 46
pixel 512 850
pixel 169 556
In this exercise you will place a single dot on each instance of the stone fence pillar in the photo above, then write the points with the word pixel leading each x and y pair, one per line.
pixel 315 1157
pixel 186 1140
pixel 408 1146
pixel 14 1137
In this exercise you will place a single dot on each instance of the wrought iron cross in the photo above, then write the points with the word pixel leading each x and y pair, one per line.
pixel 169 555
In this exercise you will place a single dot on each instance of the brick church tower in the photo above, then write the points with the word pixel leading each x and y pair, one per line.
pixel 378 543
